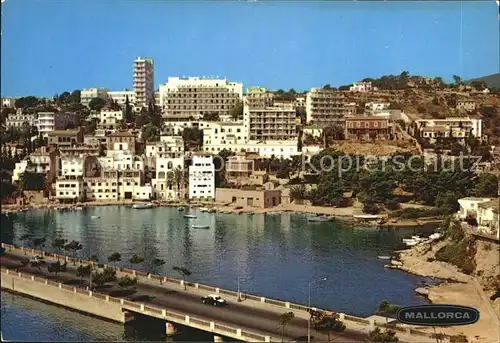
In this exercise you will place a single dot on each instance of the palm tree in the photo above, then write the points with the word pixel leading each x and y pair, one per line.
pixel 55 267
pixel 170 179
pixel 439 336
pixel 38 242
pixel 385 309
pixel 284 319
pixel 24 238
pixel 115 257
pixel 82 271
pixel 179 179
pixel 184 272
pixel 59 244
pixel 136 259
pixel 331 324
pixel 156 264
pixel 73 246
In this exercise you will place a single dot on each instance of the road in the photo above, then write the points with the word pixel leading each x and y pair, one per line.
pixel 235 315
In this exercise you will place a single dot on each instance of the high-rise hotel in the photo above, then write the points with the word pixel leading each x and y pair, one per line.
pixel 143 81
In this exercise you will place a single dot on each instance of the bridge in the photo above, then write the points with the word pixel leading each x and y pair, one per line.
pixel 256 319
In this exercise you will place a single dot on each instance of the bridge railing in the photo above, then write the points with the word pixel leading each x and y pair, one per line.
pixel 152 310
pixel 157 278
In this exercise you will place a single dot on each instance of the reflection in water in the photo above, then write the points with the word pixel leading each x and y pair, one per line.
pixel 276 255
pixel 25 319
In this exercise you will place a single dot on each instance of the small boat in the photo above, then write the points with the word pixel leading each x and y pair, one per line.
pixel 180 208
pixel 320 219
pixel 142 206
pixel 200 227
pixel 189 216
pixel 94 217
pixel 203 209
pixel 79 208
pixel 411 243
pixel 436 235
pixel 212 210
pixel 383 257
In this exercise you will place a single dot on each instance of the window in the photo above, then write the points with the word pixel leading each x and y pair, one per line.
pixel 367 125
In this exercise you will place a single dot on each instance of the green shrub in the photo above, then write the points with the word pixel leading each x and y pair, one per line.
pixel 459 253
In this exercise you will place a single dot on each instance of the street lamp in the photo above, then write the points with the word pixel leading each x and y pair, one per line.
pixel 239 295
pixel 309 306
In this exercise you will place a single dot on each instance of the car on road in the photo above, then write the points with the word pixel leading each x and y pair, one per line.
pixel 37 259
pixel 214 300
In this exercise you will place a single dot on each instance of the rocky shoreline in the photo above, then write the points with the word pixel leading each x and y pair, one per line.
pixel 454 287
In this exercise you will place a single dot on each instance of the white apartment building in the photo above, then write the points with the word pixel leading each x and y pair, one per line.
pixel 50 121
pixel 40 161
pixel 169 182
pixel 121 160
pixel 111 116
pixel 120 97
pixel 175 128
pixel 202 178
pixel 143 81
pixel 16 120
pixel 277 122
pixel 466 105
pixel 218 136
pixel 69 182
pixel 488 217
pixel 459 127
pixel 469 206
pixel 194 96
pixel 19 170
pixel 8 102
pixel 361 87
pixel 324 107
pixel 267 149
pixel 88 94
pixel 377 106
pixel 167 147
pixel 120 176
pixel 109 122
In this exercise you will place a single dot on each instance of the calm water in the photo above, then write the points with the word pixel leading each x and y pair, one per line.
pixel 275 255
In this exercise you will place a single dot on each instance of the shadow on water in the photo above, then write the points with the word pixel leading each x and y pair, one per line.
pixel 144 328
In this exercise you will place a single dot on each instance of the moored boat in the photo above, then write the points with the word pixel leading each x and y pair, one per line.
pixel 320 219
pixel 180 208
pixel 383 257
pixel 142 206
pixel 200 227
pixel 203 209
pixel 189 216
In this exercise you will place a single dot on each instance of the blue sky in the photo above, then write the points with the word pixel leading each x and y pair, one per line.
pixel 50 46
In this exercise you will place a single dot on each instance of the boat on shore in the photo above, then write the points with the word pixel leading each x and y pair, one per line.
pixel 142 206
pixel 205 227
pixel 189 216
pixel 383 257
pixel 414 240
pixel 320 219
